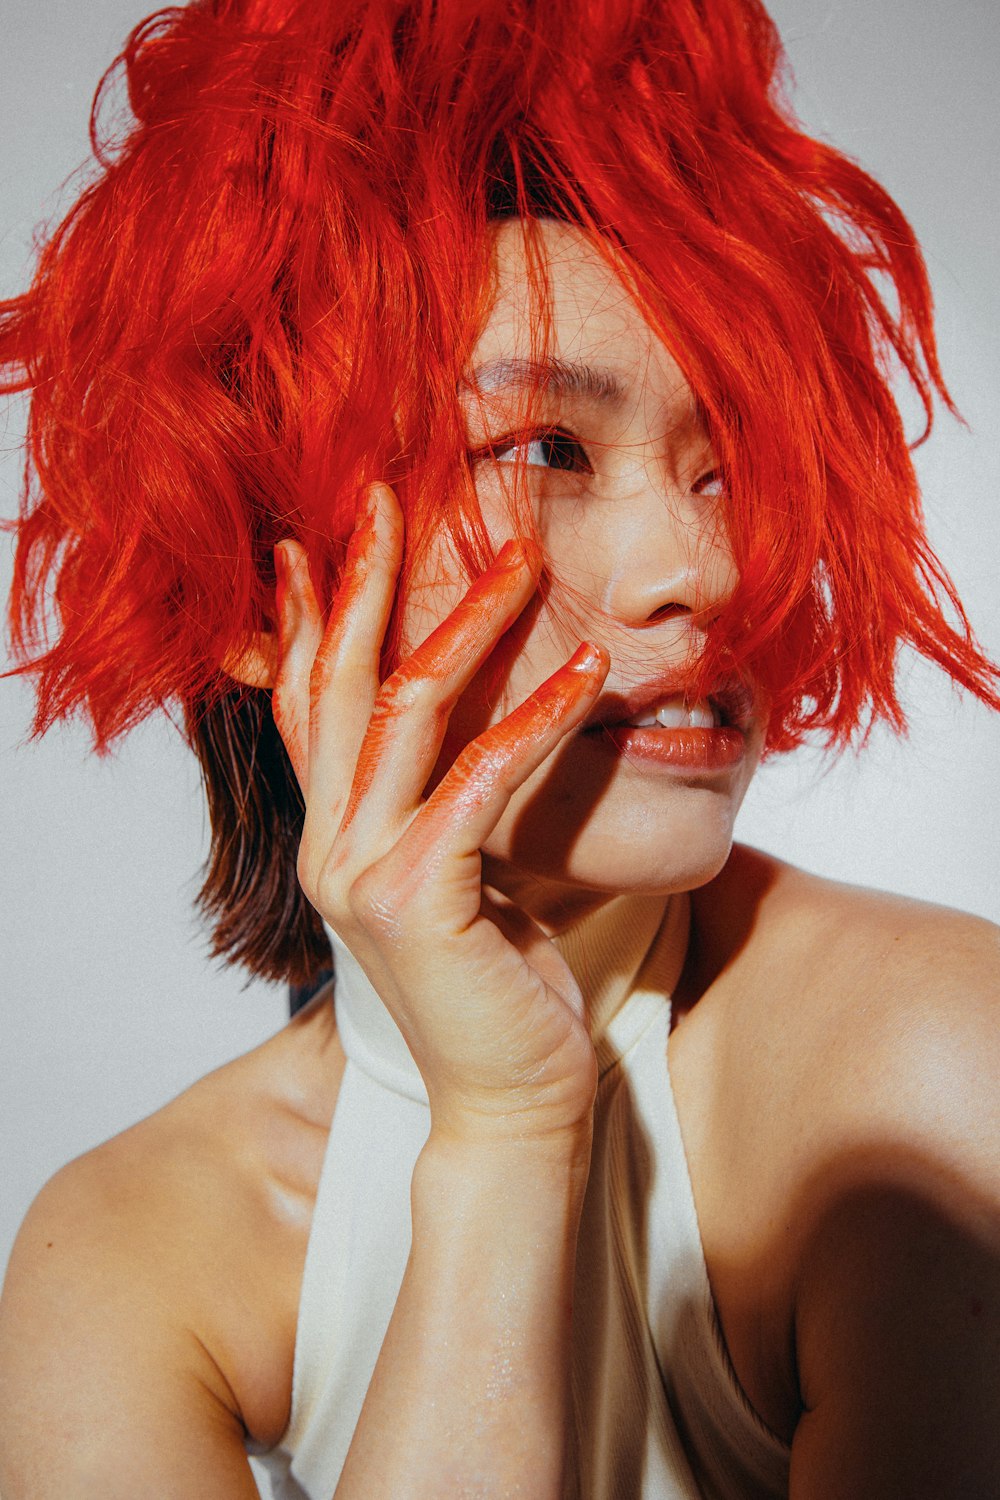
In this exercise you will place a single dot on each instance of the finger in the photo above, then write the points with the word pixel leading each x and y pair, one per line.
pixel 345 673
pixel 467 804
pixel 300 630
pixel 410 715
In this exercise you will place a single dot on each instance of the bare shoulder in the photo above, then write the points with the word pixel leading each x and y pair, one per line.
pixel 895 974
pixel 872 1012
pixel 860 1016
pixel 891 927
pixel 847 945
pixel 838 1081
pixel 878 1222
pixel 155 1279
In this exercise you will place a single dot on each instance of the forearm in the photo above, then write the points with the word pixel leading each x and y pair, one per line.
pixel 471 1391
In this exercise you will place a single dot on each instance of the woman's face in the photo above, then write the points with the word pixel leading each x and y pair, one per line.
pixel 626 503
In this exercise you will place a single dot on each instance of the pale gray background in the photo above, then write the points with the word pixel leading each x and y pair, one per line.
pixel 107 1004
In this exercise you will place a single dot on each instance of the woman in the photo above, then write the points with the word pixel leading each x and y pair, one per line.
pixel 626 387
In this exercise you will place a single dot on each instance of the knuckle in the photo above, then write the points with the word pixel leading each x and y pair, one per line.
pixel 321 876
pixel 406 692
pixel 284 710
pixel 321 670
pixel 373 903
pixel 483 759
pixel 307 870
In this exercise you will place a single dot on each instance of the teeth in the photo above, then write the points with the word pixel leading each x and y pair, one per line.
pixel 674 713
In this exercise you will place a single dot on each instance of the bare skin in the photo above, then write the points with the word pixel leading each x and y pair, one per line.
pixel 834 1057
pixel 853 1107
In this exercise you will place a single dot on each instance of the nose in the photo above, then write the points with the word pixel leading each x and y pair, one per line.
pixel 670 560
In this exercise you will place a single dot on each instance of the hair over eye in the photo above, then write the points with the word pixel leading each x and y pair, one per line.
pixel 549 447
pixel 711 484
pixel 312 193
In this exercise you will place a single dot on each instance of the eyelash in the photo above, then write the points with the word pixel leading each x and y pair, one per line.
pixel 710 476
pixel 559 435
pixel 554 435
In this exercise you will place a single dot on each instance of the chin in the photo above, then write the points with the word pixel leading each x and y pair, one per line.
pixel 649 850
pixel 664 843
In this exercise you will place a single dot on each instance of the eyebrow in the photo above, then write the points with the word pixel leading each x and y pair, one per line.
pixel 557 376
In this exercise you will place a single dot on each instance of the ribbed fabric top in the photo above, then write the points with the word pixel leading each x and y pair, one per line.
pixel 658 1412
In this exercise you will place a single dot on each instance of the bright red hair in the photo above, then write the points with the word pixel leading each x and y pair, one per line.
pixel 265 298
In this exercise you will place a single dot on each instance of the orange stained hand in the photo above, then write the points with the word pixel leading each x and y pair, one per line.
pixel 465 639
pixel 398 875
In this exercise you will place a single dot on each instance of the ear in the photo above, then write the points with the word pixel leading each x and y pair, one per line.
pixel 253 660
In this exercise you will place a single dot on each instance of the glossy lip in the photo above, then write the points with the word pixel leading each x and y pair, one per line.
pixel 683 749
pixel 719 749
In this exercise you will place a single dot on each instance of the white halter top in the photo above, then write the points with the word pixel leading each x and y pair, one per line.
pixel 658 1412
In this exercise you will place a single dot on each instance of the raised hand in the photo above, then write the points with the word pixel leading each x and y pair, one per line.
pixel 489 1010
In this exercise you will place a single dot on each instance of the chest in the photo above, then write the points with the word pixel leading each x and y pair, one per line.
pixel 261 1247
pixel 645 1341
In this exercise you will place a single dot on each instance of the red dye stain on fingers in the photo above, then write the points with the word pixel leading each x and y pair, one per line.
pixel 473 794
pixel 360 546
pixel 357 561
pixel 459 645
pixel 529 726
pixel 416 701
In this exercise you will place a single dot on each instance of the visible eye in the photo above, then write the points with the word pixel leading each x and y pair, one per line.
pixel 711 484
pixel 553 448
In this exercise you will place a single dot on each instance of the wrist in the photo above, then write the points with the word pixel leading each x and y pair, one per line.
pixel 466 1162
pixel 515 1140
pixel 550 1121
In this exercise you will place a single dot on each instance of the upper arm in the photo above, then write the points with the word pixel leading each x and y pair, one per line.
pixel 898 1297
pixel 898 1341
pixel 104 1391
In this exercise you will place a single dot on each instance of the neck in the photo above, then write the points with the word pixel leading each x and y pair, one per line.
pixel 553 905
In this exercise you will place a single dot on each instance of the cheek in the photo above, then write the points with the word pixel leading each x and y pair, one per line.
pixel 429 600
pixel 582 821
pixel 538 642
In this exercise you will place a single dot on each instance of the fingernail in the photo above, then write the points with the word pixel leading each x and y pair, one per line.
pixel 510 557
pixel 280 589
pixel 364 524
pixel 585 659
pixel 368 509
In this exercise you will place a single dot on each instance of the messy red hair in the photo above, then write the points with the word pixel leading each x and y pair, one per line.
pixel 264 299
